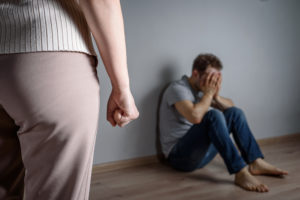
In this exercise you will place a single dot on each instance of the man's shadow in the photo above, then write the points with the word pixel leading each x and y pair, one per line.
pixel 168 75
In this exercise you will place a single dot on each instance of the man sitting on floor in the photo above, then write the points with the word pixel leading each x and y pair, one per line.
pixel 195 123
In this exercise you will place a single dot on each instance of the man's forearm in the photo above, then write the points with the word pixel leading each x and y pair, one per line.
pixel 223 103
pixel 202 106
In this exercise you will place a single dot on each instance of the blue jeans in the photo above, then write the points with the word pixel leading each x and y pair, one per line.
pixel 204 140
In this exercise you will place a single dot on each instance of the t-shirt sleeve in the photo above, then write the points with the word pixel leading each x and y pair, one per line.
pixel 177 93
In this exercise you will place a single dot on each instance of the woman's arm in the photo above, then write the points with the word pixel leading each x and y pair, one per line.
pixel 105 20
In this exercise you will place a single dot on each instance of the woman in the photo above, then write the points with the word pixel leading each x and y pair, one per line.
pixel 49 93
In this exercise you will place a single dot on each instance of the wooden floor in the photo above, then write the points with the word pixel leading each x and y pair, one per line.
pixel 160 182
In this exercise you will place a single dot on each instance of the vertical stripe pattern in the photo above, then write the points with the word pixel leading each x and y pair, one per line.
pixel 43 25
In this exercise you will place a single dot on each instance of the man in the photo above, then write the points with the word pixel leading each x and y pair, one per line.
pixel 195 124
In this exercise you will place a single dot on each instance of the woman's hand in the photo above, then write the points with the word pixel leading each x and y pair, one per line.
pixel 121 108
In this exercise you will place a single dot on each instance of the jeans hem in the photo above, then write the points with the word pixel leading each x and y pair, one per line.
pixel 237 169
pixel 254 158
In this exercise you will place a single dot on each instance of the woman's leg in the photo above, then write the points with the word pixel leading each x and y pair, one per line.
pixel 54 98
pixel 11 165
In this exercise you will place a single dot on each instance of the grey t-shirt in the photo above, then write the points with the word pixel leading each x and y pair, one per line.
pixel 172 125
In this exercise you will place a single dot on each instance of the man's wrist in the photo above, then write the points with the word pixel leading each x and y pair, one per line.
pixel 209 95
pixel 217 98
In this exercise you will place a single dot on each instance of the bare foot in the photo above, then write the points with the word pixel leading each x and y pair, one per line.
pixel 261 167
pixel 248 182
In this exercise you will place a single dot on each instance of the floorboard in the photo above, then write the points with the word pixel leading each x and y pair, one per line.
pixel 160 182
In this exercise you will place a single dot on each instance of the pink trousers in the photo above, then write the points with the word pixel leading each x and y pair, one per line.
pixel 49 109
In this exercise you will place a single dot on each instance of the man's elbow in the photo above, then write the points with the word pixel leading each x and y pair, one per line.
pixel 195 119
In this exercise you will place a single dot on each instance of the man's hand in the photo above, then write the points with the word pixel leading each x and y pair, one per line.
pixel 219 82
pixel 219 102
pixel 209 84
pixel 121 108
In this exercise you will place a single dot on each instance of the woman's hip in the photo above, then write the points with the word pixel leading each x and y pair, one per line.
pixel 48 84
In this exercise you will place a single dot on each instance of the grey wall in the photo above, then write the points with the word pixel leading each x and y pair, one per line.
pixel 257 41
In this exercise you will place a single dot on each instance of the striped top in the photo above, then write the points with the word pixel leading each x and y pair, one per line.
pixel 43 25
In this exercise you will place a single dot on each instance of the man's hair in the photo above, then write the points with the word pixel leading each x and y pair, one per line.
pixel 202 61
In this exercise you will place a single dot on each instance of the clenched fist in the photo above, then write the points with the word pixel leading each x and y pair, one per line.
pixel 121 108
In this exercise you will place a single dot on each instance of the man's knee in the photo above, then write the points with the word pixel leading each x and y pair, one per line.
pixel 215 115
pixel 235 111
